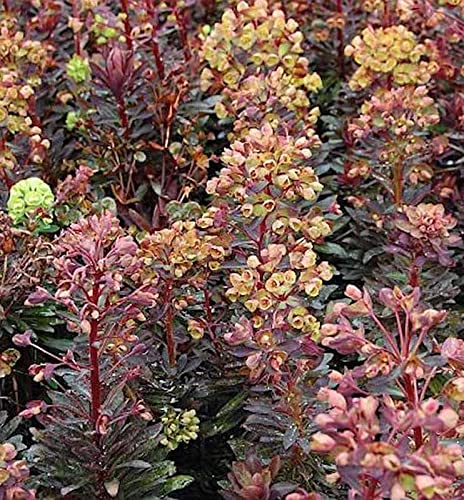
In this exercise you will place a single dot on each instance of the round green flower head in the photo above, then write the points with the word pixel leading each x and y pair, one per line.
pixel 26 197
pixel 78 69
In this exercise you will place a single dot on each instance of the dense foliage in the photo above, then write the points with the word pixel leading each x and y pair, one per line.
pixel 231 259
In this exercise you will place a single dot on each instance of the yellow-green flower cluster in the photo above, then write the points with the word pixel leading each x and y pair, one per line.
pixel 392 51
pixel 179 427
pixel 104 30
pixel 78 69
pixel 251 35
pixel 272 283
pixel 31 199
pixel 264 168
pixel 254 58
pixel 21 64
pixel 372 5
pixel 181 248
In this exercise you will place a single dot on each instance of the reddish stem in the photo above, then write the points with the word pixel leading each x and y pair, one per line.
pixel 123 117
pixel 127 26
pixel 154 41
pixel 94 373
pixel 398 183
pixel 168 319
pixel 369 492
pixel 386 13
pixel 77 36
pixel 341 40
pixel 95 386
pixel 411 393
pixel 5 5
pixel 414 276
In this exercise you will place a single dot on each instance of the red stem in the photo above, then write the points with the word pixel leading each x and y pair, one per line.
pixel 414 276
pixel 170 340
pixel 127 26
pixel 154 41
pixel 369 492
pixel 95 384
pixel 6 6
pixel 386 13
pixel 341 40
pixel 411 393
pixel 398 183
pixel 94 373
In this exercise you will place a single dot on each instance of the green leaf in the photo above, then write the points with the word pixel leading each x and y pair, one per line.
pixel 73 487
pixel 174 484
pixel 7 429
pixel 332 249
pixel 234 404
pixel 59 344
pixel 290 436
pixel 373 252
pixel 135 464
pixel 398 277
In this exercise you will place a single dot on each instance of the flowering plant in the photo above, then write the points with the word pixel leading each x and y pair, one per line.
pixel 30 202
pixel 389 422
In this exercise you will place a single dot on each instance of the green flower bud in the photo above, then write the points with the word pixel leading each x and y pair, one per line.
pixel 72 118
pixel 179 427
pixel 28 195
pixel 78 69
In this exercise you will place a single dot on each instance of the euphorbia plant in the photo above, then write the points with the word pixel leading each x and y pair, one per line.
pixel 253 479
pixel 182 257
pixel 93 259
pixel 390 139
pixel 92 268
pixel 127 84
pixel 265 198
pixel 424 234
pixel 30 204
pixel 391 421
